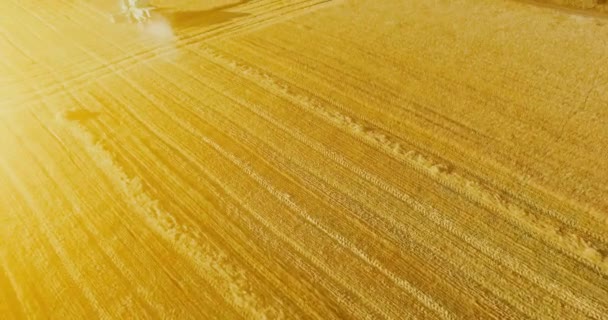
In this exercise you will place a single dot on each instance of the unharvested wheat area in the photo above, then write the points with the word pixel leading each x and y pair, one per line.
pixel 304 159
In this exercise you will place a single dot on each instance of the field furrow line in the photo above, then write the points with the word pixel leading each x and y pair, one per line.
pixel 322 159
pixel 283 197
pixel 134 59
pixel 73 207
pixel 210 263
pixel 128 222
pixel 176 179
pixel 269 237
pixel 54 241
pixel 111 256
pixel 286 198
pixel 134 187
pixel 403 228
pixel 161 99
pixel 246 138
pixel 494 256
pixel 187 198
pixel 182 150
pixel 436 217
pixel 13 304
pixel 572 243
pixel 396 116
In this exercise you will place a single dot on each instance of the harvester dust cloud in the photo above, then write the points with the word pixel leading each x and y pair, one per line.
pixel 151 23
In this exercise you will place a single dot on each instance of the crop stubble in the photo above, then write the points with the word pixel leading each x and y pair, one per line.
pixel 304 159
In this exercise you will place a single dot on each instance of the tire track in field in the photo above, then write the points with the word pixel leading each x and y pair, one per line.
pixel 210 263
pixel 176 179
pixel 135 59
pixel 114 258
pixel 73 207
pixel 425 299
pixel 37 212
pixel 27 301
pixel 165 223
pixel 494 255
pixel 418 160
pixel 160 98
pixel 303 193
pixel 475 191
pixel 174 233
pixel 13 298
pixel 244 138
pixel 562 217
pixel 283 197
pixel 184 151
pixel 193 161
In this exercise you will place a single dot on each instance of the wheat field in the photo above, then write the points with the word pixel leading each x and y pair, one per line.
pixel 303 159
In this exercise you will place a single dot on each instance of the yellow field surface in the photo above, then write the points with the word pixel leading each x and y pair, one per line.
pixel 312 159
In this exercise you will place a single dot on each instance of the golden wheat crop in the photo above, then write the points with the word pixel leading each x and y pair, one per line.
pixel 266 159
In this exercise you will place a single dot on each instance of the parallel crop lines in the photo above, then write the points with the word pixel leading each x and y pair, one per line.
pixel 295 162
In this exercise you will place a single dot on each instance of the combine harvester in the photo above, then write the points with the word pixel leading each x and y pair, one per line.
pixel 134 11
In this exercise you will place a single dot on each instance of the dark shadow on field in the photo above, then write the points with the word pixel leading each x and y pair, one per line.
pixel 80 115
pixel 181 20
